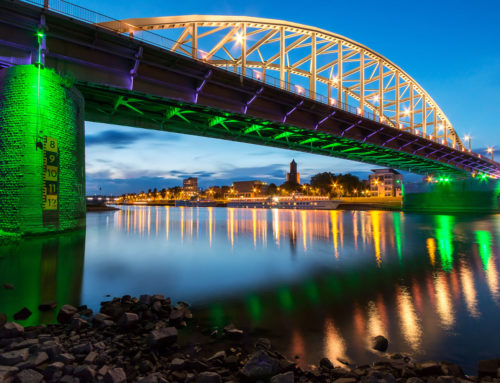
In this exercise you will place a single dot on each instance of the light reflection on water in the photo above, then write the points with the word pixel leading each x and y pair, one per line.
pixel 326 281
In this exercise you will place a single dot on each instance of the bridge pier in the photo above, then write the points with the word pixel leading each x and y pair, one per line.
pixel 42 152
pixel 472 195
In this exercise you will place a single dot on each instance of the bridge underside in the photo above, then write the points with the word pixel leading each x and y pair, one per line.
pixel 124 107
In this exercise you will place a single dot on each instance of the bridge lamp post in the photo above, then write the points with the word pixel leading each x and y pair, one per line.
pixel 468 139
pixel 490 150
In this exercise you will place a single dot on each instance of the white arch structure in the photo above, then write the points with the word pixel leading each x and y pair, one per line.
pixel 307 60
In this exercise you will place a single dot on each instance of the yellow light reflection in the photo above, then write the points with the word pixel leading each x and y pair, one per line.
pixel 410 324
pixel 303 220
pixel 355 229
pixel 254 227
pixel 469 290
pixel 167 220
pixel 335 232
pixel 375 218
pixel 431 249
pixel 492 279
pixel 375 323
pixel 210 224
pixel 298 347
pixel 334 346
pixel 444 304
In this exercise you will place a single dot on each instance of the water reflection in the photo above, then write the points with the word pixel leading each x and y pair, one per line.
pixel 42 270
pixel 326 281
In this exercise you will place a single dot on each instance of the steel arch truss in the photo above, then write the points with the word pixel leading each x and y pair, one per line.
pixel 319 64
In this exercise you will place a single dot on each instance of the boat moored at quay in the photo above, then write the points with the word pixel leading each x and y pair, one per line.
pixel 295 201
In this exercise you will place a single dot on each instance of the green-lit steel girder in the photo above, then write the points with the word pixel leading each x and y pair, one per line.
pixel 169 115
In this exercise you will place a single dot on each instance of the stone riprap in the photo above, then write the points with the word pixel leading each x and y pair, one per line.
pixel 143 340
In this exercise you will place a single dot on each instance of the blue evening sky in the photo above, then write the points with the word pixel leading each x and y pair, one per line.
pixel 452 48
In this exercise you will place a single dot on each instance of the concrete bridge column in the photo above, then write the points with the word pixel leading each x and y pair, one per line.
pixel 42 152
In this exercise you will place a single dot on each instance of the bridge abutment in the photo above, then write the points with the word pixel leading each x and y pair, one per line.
pixel 42 152
pixel 473 195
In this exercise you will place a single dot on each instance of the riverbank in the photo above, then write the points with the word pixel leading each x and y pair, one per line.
pixel 348 203
pixel 148 339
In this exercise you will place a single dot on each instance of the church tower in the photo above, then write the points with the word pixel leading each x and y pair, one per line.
pixel 293 177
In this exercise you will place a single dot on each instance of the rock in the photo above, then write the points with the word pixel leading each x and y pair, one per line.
pixel 8 286
pixel 428 369
pixel 115 375
pixel 3 319
pixel 79 324
pixel 260 365
pixel 220 355
pixel 452 369
pixel 51 348
pixel 287 377
pixel 158 297
pixel 22 314
pixel 6 373
pixel 208 377
pixel 446 379
pixel 82 348
pixel 177 363
pixel 65 358
pixel 47 306
pixel 34 360
pixel 66 314
pixel 162 336
pixel 91 357
pixel 414 380
pixel 152 378
pixel 52 368
pixel 145 299
pixel 231 331
pixel 345 380
pixel 488 367
pixel 380 343
pixel 69 379
pixel 326 364
pixel 85 373
pixel 128 319
pixel 343 361
pixel 100 319
pixel 9 358
pixel 263 344
pixel 11 330
pixel 29 376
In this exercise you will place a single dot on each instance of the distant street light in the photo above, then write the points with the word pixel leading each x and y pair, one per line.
pixel 490 150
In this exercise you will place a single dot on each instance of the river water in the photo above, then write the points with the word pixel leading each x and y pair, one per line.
pixel 318 283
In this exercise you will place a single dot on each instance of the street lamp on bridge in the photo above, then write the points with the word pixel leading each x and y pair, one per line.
pixel 490 150
pixel 468 139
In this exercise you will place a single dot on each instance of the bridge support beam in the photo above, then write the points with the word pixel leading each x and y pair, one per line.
pixel 473 195
pixel 42 153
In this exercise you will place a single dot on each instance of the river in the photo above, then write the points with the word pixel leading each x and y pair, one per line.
pixel 318 283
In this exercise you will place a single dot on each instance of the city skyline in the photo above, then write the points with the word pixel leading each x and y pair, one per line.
pixel 121 159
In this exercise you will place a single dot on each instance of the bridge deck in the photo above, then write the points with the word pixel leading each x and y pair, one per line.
pixel 129 82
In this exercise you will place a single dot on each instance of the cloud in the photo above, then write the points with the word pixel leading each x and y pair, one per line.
pixel 115 138
pixel 119 139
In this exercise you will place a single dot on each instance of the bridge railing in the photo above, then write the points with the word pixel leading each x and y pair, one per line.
pixel 86 15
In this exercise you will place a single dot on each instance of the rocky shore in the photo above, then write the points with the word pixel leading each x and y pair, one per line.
pixel 148 340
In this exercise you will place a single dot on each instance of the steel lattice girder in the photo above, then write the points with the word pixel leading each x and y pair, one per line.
pixel 158 113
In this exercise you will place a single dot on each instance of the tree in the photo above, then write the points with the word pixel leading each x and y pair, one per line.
pixel 272 189
pixel 290 187
pixel 323 181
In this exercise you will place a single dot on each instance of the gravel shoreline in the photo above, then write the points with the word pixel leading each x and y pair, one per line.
pixel 148 340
